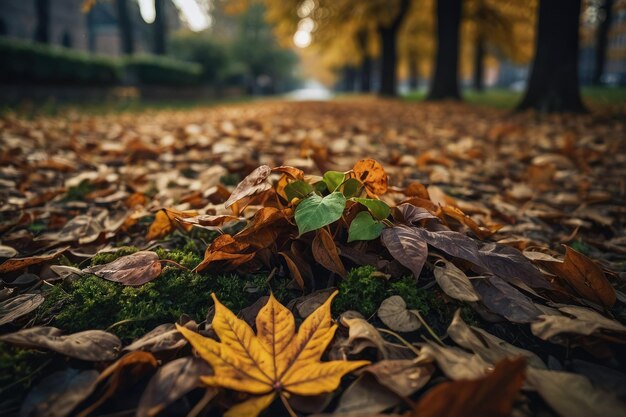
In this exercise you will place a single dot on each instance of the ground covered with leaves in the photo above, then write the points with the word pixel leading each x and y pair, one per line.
pixel 355 257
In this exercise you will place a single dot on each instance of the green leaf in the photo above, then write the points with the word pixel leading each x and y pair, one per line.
pixel 320 187
pixel 315 212
pixel 379 209
pixel 364 227
pixel 352 188
pixel 333 179
pixel 298 189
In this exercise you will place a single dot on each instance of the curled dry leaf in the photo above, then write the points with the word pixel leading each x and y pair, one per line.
pixel 14 308
pixel 372 174
pixel 7 251
pixel 161 338
pixel 15 264
pixel 135 269
pixel 490 396
pixel 454 282
pixel 122 374
pixel 273 361
pixel 489 347
pixel 572 395
pixel 58 394
pixel 584 276
pixel 325 252
pixel 395 315
pixel 365 395
pixel 256 182
pixel 90 345
pixel 164 222
pixel 406 247
pixel 505 300
pixel 404 377
pixel 575 320
pixel 226 248
pixel 171 382
pixel 363 335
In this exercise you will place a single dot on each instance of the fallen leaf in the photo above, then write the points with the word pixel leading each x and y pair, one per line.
pixel 490 396
pixel 326 254
pixel 575 320
pixel 59 393
pixel 15 264
pixel 275 360
pixel 16 307
pixel 315 211
pixel 90 345
pixel 406 247
pixel 395 315
pixel 572 395
pixel 454 282
pixel 135 269
pixel 255 183
pixel 372 174
pixel 170 382
pixel 585 277
pixel 404 377
pixel 164 222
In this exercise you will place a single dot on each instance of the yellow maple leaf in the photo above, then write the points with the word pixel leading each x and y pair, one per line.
pixel 274 361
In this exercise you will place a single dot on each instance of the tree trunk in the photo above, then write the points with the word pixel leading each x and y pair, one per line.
pixel 602 37
pixel 479 64
pixel 413 72
pixel 366 75
pixel 389 56
pixel 160 28
pixel 445 84
pixel 42 30
pixel 349 75
pixel 553 85
pixel 125 26
pixel 366 63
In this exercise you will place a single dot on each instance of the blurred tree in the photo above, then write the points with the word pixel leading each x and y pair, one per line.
pixel 605 14
pixel 42 28
pixel 365 72
pixel 499 29
pixel 553 85
pixel 444 83
pixel 159 27
pixel 200 47
pixel 126 27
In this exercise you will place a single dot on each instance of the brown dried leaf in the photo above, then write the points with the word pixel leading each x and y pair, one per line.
pixel 325 252
pixel 135 269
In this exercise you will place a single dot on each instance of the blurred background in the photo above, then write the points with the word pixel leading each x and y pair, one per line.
pixel 551 55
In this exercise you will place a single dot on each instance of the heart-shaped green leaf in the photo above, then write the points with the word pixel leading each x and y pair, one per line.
pixel 333 179
pixel 315 212
pixel 352 188
pixel 298 189
pixel 379 209
pixel 364 227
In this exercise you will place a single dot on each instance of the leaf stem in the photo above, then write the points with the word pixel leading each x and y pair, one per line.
pixel 287 405
pixel 169 261
pixel 401 339
pixel 428 328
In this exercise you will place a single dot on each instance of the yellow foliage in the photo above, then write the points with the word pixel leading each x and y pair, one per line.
pixel 274 361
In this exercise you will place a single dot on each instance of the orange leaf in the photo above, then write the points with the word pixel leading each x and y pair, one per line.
pixel 490 396
pixel 372 174
pixel 163 222
pixel 584 276
pixel 325 252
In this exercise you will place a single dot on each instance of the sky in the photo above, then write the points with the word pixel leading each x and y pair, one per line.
pixel 195 17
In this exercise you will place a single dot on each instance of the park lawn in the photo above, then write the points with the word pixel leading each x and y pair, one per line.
pixel 602 97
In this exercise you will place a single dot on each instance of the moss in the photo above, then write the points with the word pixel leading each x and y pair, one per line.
pixel 78 192
pixel 361 290
pixel 37 227
pixel 187 256
pixel 18 369
pixel 106 257
pixel 230 179
pixel 94 303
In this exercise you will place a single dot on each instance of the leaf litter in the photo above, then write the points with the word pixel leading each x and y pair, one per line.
pixel 497 241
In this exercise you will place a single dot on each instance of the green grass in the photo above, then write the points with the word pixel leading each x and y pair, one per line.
pixel 507 99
